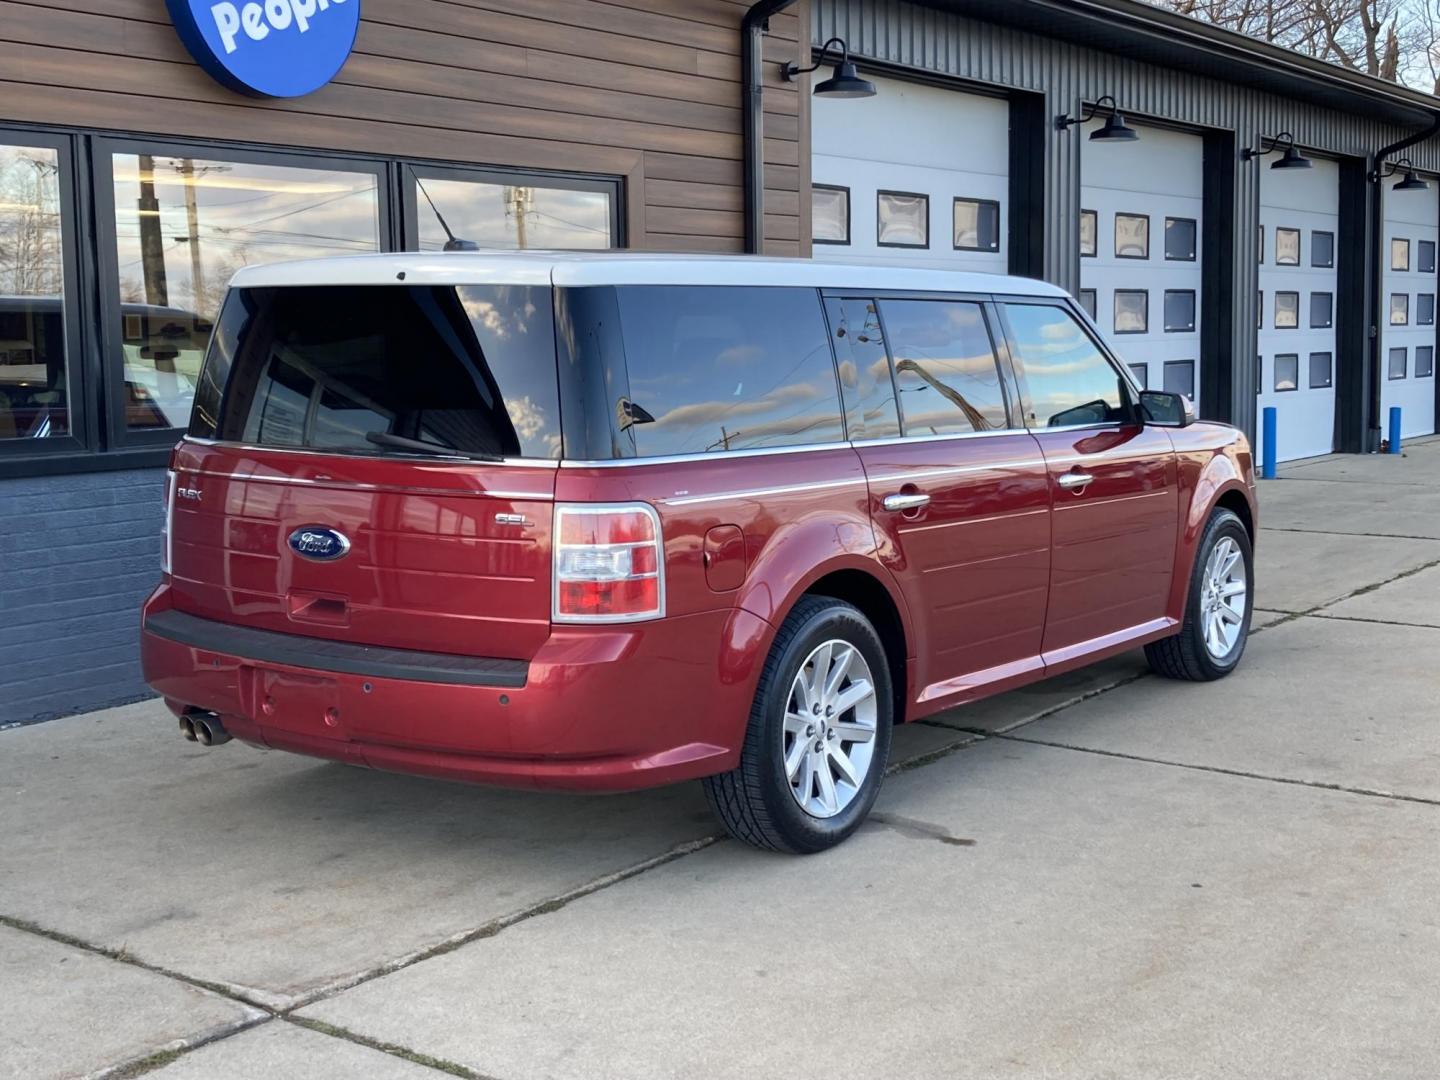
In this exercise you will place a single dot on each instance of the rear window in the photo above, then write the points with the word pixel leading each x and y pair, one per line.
pixel 726 368
pixel 467 368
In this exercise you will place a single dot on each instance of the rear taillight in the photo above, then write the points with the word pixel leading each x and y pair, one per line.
pixel 168 528
pixel 609 563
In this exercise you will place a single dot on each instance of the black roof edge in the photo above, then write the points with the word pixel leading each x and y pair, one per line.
pixel 1146 32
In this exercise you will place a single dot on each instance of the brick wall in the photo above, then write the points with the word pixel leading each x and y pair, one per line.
pixel 78 554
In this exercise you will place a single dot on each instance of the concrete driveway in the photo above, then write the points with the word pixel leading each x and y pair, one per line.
pixel 1108 875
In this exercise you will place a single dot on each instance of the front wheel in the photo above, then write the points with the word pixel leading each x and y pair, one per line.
pixel 1217 608
pixel 818 740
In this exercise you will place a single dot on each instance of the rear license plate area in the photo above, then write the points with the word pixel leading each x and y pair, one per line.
pixel 302 704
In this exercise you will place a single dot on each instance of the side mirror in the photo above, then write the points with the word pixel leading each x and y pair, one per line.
pixel 1166 410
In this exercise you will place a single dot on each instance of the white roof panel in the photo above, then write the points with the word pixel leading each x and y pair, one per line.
pixel 623 268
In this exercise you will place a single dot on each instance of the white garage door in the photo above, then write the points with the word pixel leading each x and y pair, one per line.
pixel 1407 310
pixel 1299 226
pixel 1140 228
pixel 914 176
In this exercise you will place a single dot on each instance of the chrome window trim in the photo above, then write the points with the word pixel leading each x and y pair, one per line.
pixel 359 485
pixel 903 440
pixel 756 493
pixel 713 455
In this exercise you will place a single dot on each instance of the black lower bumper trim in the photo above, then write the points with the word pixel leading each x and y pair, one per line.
pixel 319 654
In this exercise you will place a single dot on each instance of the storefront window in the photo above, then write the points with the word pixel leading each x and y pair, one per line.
pixel 491 215
pixel 34 400
pixel 184 226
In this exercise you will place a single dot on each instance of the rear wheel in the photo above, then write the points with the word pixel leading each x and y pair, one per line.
pixel 818 740
pixel 1217 609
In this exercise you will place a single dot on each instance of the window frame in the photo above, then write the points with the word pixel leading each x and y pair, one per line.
pixel 1115 295
pixel 1420 316
pixel 978 202
pixel 1299 245
pixel 1274 321
pixel 1330 321
pixel 907 195
pixel 1420 247
pixel 1319 265
pixel 23 456
pixel 1115 239
pixel 1194 366
pixel 1080 234
pixel 1194 311
pixel 1404 351
pixel 1016 365
pixel 1195 228
pixel 849 221
pixel 1329 382
pixel 1094 315
pixel 1400 240
pixel 1390 309
pixel 104 149
pixel 1430 372
pixel 1275 373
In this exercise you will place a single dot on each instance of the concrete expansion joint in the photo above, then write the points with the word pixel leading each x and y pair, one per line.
pixel 1321 785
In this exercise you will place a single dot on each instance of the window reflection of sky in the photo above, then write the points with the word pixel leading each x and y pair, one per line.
pixel 512 216
pixel 1063 368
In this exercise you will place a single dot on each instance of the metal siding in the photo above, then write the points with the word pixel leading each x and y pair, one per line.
pixel 1067 72
pixel 78 554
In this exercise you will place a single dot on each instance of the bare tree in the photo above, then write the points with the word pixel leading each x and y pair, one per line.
pixel 1390 39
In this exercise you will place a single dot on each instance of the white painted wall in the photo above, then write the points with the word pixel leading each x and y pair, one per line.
pixel 1160 175
pixel 1308 200
pixel 916 138
pixel 1413 216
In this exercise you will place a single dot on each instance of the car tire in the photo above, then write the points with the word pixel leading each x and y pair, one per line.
pixel 790 791
pixel 1197 653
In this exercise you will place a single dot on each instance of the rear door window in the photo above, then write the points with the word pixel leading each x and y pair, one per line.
pixel 864 368
pixel 945 371
pixel 465 368
pixel 1068 379
pixel 717 368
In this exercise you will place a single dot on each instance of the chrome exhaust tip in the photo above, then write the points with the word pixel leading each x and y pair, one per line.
pixel 187 728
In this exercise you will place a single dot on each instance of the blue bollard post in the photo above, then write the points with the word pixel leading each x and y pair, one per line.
pixel 1394 429
pixel 1267 458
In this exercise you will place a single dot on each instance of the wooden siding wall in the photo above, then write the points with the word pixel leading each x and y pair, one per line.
pixel 647 90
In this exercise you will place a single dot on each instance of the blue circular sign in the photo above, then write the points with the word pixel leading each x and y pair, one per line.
pixel 268 48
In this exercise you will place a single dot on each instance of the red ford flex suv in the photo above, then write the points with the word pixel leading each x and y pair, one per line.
pixel 608 521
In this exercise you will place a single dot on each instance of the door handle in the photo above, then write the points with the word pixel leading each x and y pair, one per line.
pixel 905 502
pixel 1074 481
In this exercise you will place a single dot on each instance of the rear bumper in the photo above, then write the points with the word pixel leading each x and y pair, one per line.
pixel 600 709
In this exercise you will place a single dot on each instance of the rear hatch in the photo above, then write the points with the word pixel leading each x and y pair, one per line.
pixel 374 464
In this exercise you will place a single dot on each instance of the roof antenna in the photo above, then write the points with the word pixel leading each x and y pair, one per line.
pixel 452 242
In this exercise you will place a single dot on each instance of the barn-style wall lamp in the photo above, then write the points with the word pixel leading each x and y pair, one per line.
pixel 844 83
pixel 1290 159
pixel 1114 129
pixel 1408 182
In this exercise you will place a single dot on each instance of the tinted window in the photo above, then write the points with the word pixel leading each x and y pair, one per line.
pixel 864 368
pixel 1180 377
pixel 1320 370
pixel 945 368
pixel 977 225
pixel 464 368
pixel 1180 239
pixel 726 368
pixel 1287 372
pixel 1179 309
pixel 1425 257
pixel 1068 378
pixel 1322 306
pixel 1322 249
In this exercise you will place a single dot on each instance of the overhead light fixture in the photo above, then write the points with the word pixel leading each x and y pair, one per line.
pixel 1114 129
pixel 844 83
pixel 1290 159
pixel 1410 181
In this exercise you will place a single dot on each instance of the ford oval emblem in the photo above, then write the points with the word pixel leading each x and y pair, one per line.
pixel 319 542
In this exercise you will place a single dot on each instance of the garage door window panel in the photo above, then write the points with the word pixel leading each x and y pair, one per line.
pixel 1425 256
pixel 830 214
pixel 1089 234
pixel 1322 249
pixel 1287 372
pixel 1068 380
pixel 1322 310
pixel 1180 377
pixel 1322 369
pixel 1425 309
pixel 867 384
pixel 1088 302
pixel 1132 311
pixel 946 375
pixel 1287 247
pixel 1399 254
pixel 1142 375
pixel 977 225
pixel 1399 358
pixel 1399 309
pixel 902 219
pixel 1179 311
pixel 1287 310
pixel 1132 236
pixel 1424 361
pixel 1180 234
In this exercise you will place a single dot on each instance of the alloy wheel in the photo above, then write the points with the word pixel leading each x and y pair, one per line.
pixel 829 730
pixel 1223 593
